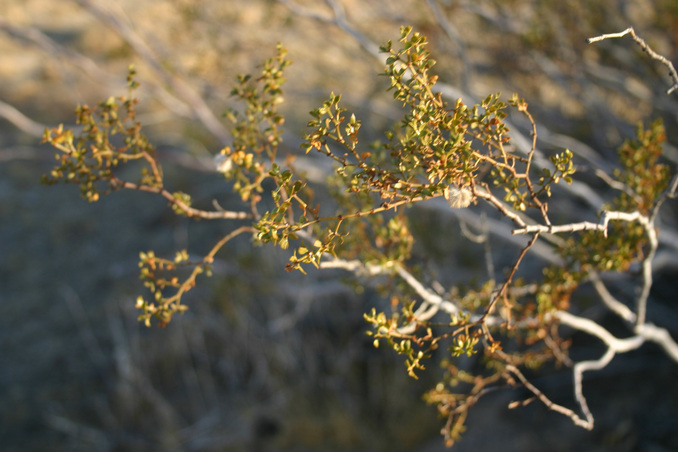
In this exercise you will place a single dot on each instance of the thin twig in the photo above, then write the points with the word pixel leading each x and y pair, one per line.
pixel 190 211
pixel 646 48
pixel 503 291
pixel 546 401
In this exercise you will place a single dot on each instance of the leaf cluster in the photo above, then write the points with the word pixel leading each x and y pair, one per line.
pixel 108 138
pixel 462 153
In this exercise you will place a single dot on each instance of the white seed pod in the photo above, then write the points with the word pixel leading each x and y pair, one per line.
pixel 458 197
pixel 223 163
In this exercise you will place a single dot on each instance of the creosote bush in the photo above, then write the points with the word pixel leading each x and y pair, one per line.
pixel 461 153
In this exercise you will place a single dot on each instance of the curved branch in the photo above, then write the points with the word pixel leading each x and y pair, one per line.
pixel 21 121
pixel 190 211
pixel 646 48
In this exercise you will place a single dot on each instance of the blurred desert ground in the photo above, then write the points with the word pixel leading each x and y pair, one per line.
pixel 266 360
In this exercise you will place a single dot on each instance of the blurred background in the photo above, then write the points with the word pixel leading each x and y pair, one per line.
pixel 264 360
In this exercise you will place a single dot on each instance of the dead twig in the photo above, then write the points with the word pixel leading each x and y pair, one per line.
pixel 646 48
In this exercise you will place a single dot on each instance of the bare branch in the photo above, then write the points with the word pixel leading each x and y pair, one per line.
pixel 670 192
pixel 594 329
pixel 21 121
pixel 196 103
pixel 614 345
pixel 617 185
pixel 586 225
pixel 484 192
pixel 546 401
pixel 190 211
pixel 53 48
pixel 431 304
pixel 503 291
pixel 641 303
pixel 339 19
pixel 646 48
pixel 84 64
pixel 482 238
pixel 451 33
pixel 611 302
pixel 572 227
pixel 660 336
pixel 579 370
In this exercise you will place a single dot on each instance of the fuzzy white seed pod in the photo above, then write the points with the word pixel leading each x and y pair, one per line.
pixel 223 163
pixel 458 197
